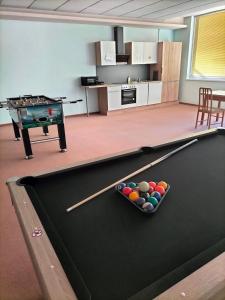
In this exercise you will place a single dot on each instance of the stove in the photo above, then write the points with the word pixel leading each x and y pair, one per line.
pixel 128 94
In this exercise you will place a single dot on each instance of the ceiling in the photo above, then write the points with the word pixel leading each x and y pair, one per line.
pixel 150 10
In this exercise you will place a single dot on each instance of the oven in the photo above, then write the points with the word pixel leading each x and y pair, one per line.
pixel 128 94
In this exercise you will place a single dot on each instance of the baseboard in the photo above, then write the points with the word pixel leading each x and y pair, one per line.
pixel 185 103
pixel 142 108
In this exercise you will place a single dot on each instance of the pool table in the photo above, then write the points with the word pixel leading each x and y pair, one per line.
pixel 107 249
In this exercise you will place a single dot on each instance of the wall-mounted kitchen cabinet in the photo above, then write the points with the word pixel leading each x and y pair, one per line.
pixel 105 53
pixel 142 52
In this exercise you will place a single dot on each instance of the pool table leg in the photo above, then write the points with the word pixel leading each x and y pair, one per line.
pixel 62 137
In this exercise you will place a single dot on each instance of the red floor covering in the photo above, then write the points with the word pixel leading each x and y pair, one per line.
pixel 86 138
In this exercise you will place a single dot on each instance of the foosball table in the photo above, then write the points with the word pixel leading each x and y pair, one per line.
pixel 37 111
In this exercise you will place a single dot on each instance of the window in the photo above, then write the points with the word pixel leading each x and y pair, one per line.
pixel 208 48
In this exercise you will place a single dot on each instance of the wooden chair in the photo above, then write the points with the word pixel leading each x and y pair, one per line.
pixel 205 107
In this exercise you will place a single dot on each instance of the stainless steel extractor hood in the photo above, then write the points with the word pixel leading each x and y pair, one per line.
pixel 121 57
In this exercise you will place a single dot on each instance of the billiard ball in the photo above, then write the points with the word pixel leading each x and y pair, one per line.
pixel 120 186
pixel 133 196
pixel 126 190
pixel 151 189
pixel 157 195
pixel 136 189
pixel 144 195
pixel 147 206
pixel 164 184
pixel 143 186
pixel 132 184
pixel 153 201
pixel 152 183
pixel 140 201
pixel 160 189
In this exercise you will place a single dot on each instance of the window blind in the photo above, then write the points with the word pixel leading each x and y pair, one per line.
pixel 209 46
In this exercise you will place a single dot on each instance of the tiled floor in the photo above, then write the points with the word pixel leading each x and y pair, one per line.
pixel 86 138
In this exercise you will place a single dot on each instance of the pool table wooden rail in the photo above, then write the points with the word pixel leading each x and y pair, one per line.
pixel 125 152
pixel 208 282
pixel 51 276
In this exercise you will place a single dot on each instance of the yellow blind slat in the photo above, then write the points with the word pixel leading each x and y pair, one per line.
pixel 209 47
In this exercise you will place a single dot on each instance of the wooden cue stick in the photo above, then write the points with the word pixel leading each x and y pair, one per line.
pixel 131 175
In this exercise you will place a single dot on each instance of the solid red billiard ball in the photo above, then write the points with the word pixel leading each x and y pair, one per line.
pixel 126 190
pixel 152 183
pixel 160 189
pixel 151 189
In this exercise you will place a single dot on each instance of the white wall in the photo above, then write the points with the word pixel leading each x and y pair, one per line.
pixel 49 58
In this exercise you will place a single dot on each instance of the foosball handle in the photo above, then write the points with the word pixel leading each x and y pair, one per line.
pixel 75 101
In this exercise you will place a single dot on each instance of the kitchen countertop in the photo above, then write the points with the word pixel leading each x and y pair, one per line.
pixel 116 84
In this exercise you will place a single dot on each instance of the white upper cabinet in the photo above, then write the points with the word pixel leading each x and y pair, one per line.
pixel 136 54
pixel 105 53
pixel 142 52
pixel 150 53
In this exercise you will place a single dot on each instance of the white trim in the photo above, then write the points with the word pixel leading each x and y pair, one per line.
pixel 56 16
pixel 195 78
pixel 191 46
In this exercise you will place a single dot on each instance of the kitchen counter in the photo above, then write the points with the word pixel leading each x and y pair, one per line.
pixel 143 96
pixel 116 84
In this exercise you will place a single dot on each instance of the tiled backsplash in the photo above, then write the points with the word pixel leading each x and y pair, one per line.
pixel 119 73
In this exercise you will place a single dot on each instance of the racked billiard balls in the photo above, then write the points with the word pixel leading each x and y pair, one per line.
pixel 132 184
pixel 151 189
pixel 133 196
pixel 143 186
pixel 157 195
pixel 152 183
pixel 140 201
pixel 144 195
pixel 120 186
pixel 147 206
pixel 163 183
pixel 160 189
pixel 153 201
pixel 126 190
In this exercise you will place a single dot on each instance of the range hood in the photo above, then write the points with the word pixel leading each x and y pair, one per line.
pixel 121 57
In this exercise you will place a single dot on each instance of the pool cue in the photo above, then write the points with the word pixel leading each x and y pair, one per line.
pixel 131 175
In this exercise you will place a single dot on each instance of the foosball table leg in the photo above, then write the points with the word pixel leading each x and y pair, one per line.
pixel 62 137
pixel 45 130
pixel 16 131
pixel 27 144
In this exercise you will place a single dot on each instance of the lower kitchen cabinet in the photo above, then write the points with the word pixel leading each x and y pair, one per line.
pixel 114 97
pixel 142 94
pixel 109 98
pixel 154 92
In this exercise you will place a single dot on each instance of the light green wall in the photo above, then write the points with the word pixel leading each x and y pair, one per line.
pixel 147 35
pixel 49 58
pixel 189 88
